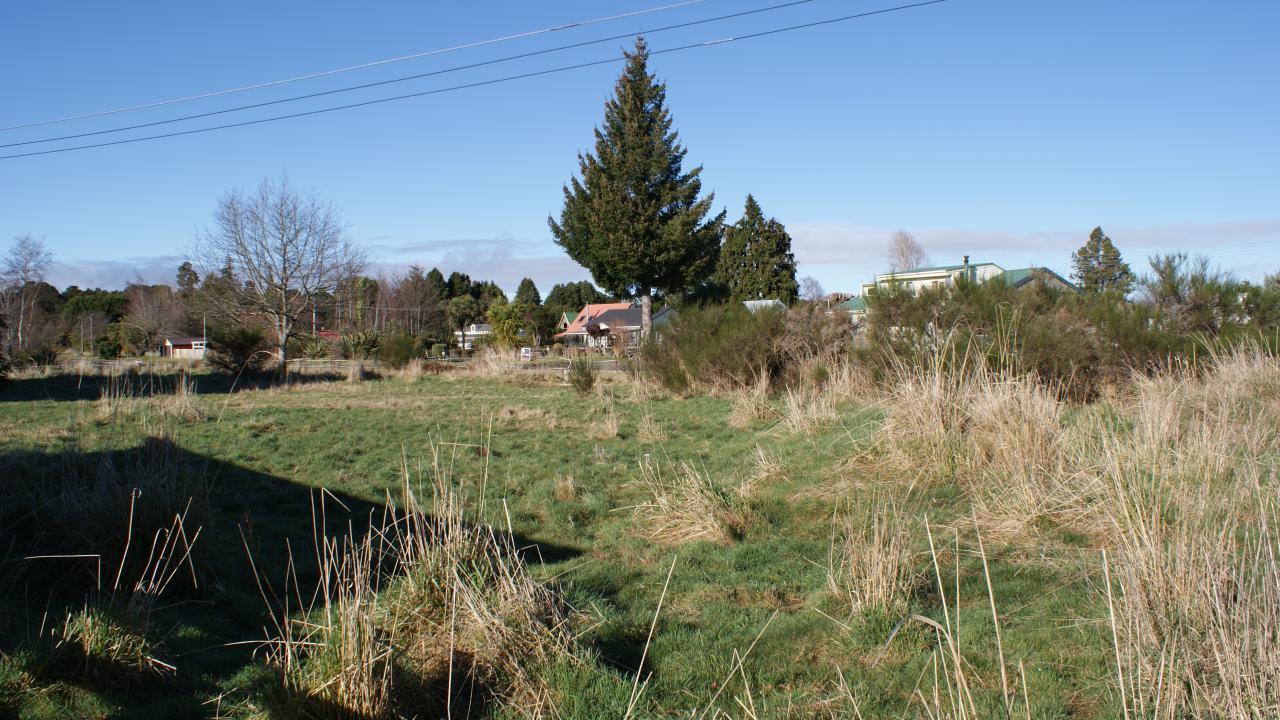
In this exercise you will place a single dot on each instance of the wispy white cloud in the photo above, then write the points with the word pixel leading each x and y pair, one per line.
pixel 113 274
pixel 840 255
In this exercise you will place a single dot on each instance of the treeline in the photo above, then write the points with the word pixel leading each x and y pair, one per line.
pixel 420 309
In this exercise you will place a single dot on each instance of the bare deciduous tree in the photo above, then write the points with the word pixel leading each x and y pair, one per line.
pixel 279 249
pixel 811 290
pixel 23 268
pixel 905 252
pixel 156 309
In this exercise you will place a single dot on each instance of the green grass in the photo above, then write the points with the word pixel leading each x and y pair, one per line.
pixel 765 590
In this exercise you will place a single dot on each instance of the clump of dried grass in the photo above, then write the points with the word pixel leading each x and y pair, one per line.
pixel 766 467
pixel 650 430
pixel 869 560
pixel 605 427
pixel 565 488
pixel 750 405
pixel 806 410
pixel 427 613
pixel 687 505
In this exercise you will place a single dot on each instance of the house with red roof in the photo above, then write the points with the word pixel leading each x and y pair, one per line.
pixel 602 325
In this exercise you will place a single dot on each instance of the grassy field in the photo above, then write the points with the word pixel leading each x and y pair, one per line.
pixel 933 549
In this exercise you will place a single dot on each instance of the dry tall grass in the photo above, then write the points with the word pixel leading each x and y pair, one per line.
pixel 426 613
pixel 148 398
pixel 1176 478
pixel 686 504
pixel 869 563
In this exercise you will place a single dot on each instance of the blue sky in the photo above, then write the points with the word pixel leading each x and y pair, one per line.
pixel 1002 129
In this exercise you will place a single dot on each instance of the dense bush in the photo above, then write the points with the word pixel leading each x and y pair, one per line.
pixel 311 347
pixel 395 350
pixel 359 345
pixel 40 356
pixel 237 348
pixel 1079 343
pixel 723 346
pixel 106 348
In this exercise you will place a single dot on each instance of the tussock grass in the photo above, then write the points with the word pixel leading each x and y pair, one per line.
pixel 565 488
pixel 869 561
pixel 605 426
pixel 804 411
pixel 91 644
pixel 133 396
pixel 687 505
pixel 649 430
pixel 766 467
pixel 750 404
pixel 1176 481
pixel 426 613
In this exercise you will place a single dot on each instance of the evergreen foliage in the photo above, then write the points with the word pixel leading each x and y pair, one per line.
pixel 463 309
pixel 528 293
pixel 756 261
pixel 436 279
pixel 634 219
pixel 1099 268
pixel 572 297
pixel 506 319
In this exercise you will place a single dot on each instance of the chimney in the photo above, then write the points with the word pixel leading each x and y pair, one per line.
pixel 967 271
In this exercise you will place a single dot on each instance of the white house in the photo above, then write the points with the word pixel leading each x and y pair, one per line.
pixel 474 332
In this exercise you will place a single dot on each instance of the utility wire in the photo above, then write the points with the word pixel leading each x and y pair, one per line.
pixel 481 83
pixel 361 66
pixel 417 76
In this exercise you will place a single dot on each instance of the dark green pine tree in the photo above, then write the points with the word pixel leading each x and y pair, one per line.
pixel 459 284
pixel 634 218
pixel 1099 268
pixel 527 294
pixel 756 260
pixel 435 279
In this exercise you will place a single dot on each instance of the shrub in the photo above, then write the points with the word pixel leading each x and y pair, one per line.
pixel 106 348
pixel 437 349
pixel 309 346
pixel 42 355
pixel 236 349
pixel 396 350
pixel 721 346
pixel 359 345
pixel 582 375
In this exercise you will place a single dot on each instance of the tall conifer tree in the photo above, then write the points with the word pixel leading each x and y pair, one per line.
pixel 756 260
pixel 634 218
pixel 528 294
pixel 1098 266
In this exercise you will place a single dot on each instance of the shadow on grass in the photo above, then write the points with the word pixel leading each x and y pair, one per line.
pixel 71 388
pixel 72 521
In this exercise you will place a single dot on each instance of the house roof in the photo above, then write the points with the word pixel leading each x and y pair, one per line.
pixel 618 318
pixel 935 268
pixel 592 311
pixel 1022 276
pixel 853 304
pixel 183 340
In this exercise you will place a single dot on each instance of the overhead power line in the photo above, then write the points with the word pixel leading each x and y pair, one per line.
pixel 481 83
pixel 418 76
pixel 361 66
